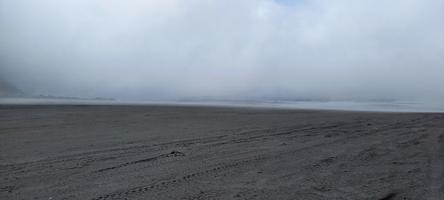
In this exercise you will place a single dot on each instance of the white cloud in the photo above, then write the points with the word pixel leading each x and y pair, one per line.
pixel 176 48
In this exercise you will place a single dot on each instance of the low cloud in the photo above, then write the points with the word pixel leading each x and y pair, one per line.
pixel 168 49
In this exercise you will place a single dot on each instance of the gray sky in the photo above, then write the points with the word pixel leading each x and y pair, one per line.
pixel 162 49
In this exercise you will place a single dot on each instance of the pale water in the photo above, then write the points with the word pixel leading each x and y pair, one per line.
pixel 384 106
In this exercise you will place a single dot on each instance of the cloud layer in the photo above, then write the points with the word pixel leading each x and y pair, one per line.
pixel 166 49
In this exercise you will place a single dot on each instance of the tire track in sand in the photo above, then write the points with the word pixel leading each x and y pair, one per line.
pixel 219 168
pixel 436 167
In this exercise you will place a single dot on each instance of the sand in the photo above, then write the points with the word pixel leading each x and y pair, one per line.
pixel 191 152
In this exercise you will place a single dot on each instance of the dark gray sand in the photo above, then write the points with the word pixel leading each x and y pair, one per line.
pixel 173 152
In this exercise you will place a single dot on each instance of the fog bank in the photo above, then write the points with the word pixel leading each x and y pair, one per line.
pixel 252 49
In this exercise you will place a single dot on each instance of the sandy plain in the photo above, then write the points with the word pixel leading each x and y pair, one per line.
pixel 203 152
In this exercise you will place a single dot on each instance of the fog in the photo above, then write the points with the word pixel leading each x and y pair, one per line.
pixel 226 49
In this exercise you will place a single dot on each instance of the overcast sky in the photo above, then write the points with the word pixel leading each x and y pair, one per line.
pixel 166 49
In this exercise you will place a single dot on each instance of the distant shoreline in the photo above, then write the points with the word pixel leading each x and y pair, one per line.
pixel 369 106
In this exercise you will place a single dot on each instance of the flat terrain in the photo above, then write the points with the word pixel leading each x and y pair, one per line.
pixel 179 152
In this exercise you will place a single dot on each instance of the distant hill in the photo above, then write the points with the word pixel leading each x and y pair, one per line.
pixel 8 90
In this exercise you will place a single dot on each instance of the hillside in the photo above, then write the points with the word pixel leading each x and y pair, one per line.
pixel 8 90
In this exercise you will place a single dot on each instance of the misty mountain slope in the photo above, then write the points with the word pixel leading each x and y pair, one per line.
pixel 8 90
